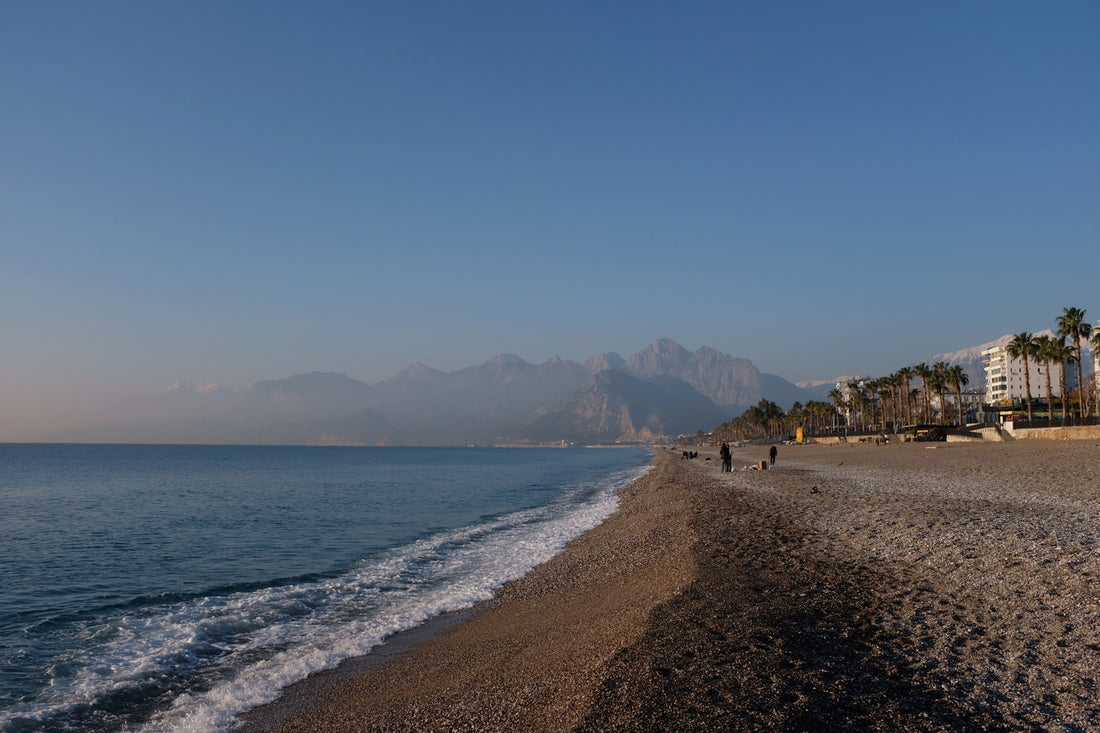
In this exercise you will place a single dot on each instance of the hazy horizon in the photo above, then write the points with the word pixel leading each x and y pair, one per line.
pixel 197 191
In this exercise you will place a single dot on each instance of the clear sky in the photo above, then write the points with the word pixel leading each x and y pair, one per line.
pixel 236 191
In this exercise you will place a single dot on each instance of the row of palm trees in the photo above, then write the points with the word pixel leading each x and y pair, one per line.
pixel 1049 350
pixel 935 379
pixel 903 404
pixel 769 419
pixel 898 403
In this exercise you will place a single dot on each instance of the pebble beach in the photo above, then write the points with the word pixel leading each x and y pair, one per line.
pixel 898 587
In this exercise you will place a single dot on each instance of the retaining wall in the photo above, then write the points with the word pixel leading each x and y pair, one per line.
pixel 1075 432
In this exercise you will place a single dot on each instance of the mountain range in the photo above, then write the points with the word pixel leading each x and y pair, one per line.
pixel 662 390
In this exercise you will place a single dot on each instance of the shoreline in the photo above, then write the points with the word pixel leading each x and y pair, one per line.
pixel 603 597
pixel 919 587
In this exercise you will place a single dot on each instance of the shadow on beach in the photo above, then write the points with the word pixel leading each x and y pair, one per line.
pixel 905 587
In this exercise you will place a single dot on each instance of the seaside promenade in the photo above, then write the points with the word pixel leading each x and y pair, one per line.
pixel 905 587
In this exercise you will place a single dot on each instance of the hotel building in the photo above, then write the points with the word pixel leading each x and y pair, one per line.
pixel 1004 378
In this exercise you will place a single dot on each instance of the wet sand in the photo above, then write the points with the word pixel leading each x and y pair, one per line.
pixel 912 587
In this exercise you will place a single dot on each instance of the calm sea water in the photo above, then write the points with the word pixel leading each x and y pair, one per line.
pixel 169 588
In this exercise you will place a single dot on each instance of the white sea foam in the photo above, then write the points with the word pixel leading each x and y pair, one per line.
pixel 248 645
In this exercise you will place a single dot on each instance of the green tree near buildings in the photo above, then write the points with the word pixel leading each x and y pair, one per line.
pixel 1072 325
pixel 838 399
pixel 904 377
pixel 855 401
pixel 874 387
pixel 937 382
pixel 1062 353
pixel 1047 351
pixel 958 379
pixel 924 372
pixel 1022 346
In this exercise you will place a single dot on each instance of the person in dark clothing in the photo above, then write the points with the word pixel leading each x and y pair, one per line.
pixel 771 455
pixel 727 457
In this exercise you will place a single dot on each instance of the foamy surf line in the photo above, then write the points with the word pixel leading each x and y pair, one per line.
pixel 235 651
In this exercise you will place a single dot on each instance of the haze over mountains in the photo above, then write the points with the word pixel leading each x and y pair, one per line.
pixel 662 390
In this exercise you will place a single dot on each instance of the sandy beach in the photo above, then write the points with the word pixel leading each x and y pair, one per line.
pixel 911 587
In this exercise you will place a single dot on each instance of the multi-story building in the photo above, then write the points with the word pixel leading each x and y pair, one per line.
pixel 1004 378
pixel 1095 361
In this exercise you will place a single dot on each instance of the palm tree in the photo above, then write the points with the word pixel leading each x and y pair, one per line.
pixel 925 373
pixel 1062 352
pixel 837 397
pixel 857 400
pixel 1046 351
pixel 957 377
pixel 1022 346
pixel 894 383
pixel 1072 325
pixel 825 413
pixel 873 386
pixel 905 374
pixel 938 382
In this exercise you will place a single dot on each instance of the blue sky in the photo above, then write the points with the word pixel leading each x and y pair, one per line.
pixel 248 190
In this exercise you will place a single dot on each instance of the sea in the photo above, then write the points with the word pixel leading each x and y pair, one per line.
pixel 171 588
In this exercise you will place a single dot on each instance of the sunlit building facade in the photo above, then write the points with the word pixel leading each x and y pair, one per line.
pixel 1004 378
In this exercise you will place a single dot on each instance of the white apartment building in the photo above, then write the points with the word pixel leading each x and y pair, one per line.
pixel 1095 361
pixel 1004 377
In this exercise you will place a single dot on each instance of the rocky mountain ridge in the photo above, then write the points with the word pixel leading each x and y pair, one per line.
pixel 663 389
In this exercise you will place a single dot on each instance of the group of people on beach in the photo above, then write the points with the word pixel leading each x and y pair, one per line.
pixel 727 457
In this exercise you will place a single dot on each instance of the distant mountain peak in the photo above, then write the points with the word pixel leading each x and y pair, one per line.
pixel 603 362
pixel 414 372
pixel 506 359
pixel 311 382
pixel 201 388
pixel 659 357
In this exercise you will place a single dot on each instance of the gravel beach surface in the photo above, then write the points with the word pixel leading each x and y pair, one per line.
pixel 901 587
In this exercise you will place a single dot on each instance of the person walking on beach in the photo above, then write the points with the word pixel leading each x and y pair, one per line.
pixel 771 456
pixel 727 458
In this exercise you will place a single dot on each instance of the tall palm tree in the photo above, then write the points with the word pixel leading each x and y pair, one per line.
pixel 855 401
pixel 900 382
pixel 938 382
pixel 1062 352
pixel 873 386
pixel 1072 325
pixel 906 376
pixel 1046 351
pixel 957 377
pixel 826 413
pixel 837 397
pixel 860 402
pixel 923 371
pixel 894 383
pixel 1022 346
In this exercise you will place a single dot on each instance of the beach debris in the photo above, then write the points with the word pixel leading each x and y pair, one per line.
pixel 814 490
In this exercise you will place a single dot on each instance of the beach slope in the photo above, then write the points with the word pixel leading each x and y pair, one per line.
pixel 905 587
